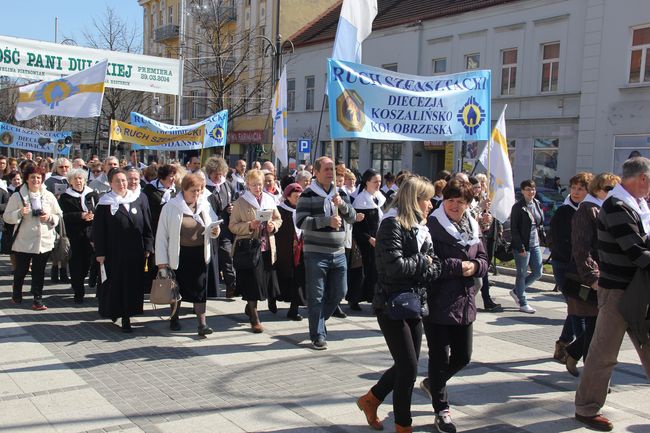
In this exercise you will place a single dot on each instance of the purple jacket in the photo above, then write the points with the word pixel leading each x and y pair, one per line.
pixel 451 297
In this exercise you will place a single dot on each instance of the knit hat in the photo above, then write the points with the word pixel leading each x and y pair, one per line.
pixel 292 187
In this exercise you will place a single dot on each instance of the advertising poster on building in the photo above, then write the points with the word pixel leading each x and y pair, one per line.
pixel 215 132
pixel 369 102
pixel 16 137
pixel 38 61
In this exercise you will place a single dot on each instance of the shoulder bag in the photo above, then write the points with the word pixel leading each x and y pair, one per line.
pixel 164 290
pixel 247 254
pixel 61 250
pixel 406 305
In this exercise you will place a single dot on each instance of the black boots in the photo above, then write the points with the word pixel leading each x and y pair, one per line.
pixel 55 275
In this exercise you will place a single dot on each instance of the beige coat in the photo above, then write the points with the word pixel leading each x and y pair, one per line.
pixel 242 214
pixel 34 237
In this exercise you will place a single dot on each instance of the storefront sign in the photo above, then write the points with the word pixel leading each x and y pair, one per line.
pixel 254 136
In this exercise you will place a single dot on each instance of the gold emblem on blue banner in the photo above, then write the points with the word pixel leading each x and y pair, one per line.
pixel 349 111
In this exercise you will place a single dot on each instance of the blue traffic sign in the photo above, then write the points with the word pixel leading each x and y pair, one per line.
pixel 304 145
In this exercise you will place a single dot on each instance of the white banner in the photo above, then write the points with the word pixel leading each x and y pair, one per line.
pixel 38 61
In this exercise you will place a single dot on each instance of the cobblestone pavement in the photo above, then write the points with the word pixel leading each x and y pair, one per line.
pixel 67 370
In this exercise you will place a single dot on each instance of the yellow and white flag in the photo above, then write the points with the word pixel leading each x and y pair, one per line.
pixel 279 115
pixel 495 158
pixel 76 95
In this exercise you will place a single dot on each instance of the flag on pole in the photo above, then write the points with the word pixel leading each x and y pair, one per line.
pixel 279 115
pixel 495 158
pixel 76 95
pixel 355 25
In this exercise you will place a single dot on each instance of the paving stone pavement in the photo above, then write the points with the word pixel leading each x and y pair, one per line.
pixel 67 370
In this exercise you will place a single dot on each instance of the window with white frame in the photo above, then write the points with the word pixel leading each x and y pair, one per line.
pixel 472 61
pixel 640 56
pixel 545 155
pixel 550 66
pixel 291 94
pixel 309 92
pixel 508 71
pixel 439 66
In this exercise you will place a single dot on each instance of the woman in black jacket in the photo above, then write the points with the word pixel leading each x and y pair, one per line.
pixel 527 234
pixel 405 262
pixel 78 205
pixel 452 298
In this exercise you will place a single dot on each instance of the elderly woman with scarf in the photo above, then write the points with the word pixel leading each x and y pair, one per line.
pixel 368 201
pixel 78 205
pixel 123 241
pixel 290 267
pixel 451 298
pixel 183 244
pixel 259 283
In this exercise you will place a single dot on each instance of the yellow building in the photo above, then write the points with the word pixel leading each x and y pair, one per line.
pixel 228 60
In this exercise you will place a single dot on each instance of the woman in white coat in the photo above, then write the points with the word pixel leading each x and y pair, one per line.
pixel 35 213
pixel 183 245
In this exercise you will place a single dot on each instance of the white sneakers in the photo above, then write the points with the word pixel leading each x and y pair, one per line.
pixel 526 308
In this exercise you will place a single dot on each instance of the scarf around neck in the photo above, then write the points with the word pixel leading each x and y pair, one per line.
pixel 569 202
pixel 114 201
pixel 267 202
pixel 365 200
pixel 180 203
pixel 450 228
pixel 288 208
pixel 639 206
pixel 328 207
pixel 167 192
pixel 592 199
pixel 82 195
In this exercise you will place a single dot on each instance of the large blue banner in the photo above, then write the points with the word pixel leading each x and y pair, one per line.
pixel 370 102
pixel 27 139
pixel 216 129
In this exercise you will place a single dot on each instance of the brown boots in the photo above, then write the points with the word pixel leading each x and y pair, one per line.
pixel 400 429
pixel 368 403
pixel 560 351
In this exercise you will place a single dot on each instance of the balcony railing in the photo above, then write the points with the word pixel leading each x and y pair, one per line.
pixel 168 31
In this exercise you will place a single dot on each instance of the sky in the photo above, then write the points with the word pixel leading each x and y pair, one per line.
pixel 34 19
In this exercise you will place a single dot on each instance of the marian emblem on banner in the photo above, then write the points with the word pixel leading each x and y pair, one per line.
pixel 349 111
pixel 217 134
pixel 53 92
pixel 471 116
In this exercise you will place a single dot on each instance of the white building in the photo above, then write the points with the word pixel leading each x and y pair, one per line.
pixel 575 75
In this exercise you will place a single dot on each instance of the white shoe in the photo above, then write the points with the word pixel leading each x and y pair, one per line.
pixel 527 309
pixel 514 297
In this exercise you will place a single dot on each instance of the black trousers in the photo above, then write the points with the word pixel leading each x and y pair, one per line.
pixel 38 261
pixel 81 254
pixel 225 262
pixel 450 349
pixel 403 338
pixel 580 346
pixel 485 288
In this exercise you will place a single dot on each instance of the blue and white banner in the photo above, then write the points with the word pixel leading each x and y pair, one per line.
pixel 369 102
pixel 27 139
pixel 216 129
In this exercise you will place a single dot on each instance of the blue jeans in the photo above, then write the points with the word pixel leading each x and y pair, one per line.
pixel 532 258
pixel 326 284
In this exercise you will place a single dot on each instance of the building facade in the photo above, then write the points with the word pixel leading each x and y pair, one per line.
pixel 575 75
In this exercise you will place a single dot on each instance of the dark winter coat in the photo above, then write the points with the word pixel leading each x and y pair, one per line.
pixel 452 296
pixel 560 233
pixel 76 228
pixel 521 224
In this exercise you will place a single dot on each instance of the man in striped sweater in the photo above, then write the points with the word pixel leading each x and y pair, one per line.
pixel 623 227
pixel 321 214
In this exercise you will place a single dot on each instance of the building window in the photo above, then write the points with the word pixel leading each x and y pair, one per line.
pixel 353 156
pixel 472 61
pixel 260 100
pixel 545 153
pixel 439 66
pixel 390 67
pixel 244 100
pixel 550 66
pixel 387 157
pixel 291 94
pixel 627 146
pixel 171 15
pixel 640 55
pixel 508 71
pixel 309 93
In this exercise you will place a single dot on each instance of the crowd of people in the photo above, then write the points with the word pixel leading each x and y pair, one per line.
pixel 416 252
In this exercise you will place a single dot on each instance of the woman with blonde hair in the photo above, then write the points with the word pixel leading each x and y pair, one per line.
pixel 250 221
pixel 405 263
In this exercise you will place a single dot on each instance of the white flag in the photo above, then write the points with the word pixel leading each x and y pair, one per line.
pixel 279 115
pixel 355 25
pixel 502 188
pixel 76 95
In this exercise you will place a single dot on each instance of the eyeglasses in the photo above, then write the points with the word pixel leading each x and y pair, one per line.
pixel 608 188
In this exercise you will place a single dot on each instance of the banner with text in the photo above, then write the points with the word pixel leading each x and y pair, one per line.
pixel 122 131
pixel 370 102
pixel 215 130
pixel 38 60
pixel 27 139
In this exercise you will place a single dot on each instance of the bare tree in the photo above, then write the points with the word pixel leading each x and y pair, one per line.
pixel 228 66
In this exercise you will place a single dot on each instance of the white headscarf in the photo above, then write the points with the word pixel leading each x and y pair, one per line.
pixel 328 207
pixel 592 199
pixel 365 200
pixel 114 200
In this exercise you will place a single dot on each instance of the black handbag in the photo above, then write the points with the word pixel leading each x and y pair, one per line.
pixel 572 288
pixel 503 250
pixel 247 254
pixel 406 305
